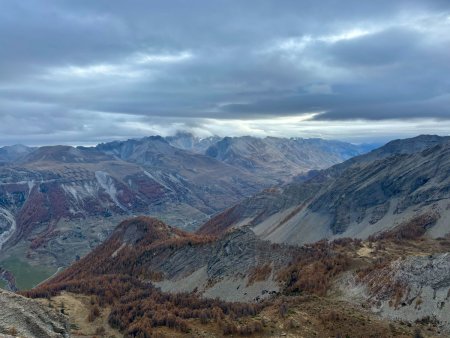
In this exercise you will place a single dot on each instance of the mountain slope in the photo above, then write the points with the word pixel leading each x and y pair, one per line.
pixel 365 195
pixel 57 203
pixel 13 153
pixel 205 183
pixel 178 261
pixel 319 290
pixel 143 254
pixel 280 157
pixel 28 318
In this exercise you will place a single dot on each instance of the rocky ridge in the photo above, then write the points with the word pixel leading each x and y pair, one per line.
pixel 20 316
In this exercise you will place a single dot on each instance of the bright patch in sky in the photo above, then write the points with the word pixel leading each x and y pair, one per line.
pixel 142 58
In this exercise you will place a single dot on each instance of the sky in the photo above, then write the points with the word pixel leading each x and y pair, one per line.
pixel 84 71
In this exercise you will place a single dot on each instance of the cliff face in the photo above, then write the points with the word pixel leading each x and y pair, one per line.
pixel 224 268
pixel 20 316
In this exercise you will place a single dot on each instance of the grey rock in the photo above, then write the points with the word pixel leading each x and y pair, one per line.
pixel 30 318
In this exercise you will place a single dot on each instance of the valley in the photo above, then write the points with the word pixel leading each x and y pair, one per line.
pixel 57 203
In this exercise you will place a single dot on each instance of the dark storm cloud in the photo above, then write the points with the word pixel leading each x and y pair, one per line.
pixel 83 71
pixel 383 48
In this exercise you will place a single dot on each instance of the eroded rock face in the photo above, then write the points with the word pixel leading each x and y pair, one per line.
pixel 430 271
pixel 28 318
pixel 222 268
pixel 416 288
pixel 427 284
pixel 215 268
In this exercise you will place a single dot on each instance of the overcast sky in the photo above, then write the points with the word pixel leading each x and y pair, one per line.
pixel 84 71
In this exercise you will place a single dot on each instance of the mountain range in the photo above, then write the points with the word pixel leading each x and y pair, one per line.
pixel 59 202
pixel 358 249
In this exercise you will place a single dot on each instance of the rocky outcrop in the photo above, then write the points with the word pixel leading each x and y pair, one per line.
pixel 415 288
pixel 223 268
pixel 20 316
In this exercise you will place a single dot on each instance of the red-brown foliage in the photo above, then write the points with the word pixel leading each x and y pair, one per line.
pixel 220 224
pixel 137 306
pixel 130 250
pixel 412 229
pixel 315 266
pixel 117 274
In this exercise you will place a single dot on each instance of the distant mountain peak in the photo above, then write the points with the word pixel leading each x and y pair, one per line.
pixel 14 152
pixel 64 154
pixel 188 141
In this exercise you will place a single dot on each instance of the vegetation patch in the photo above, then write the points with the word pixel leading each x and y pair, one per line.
pixel 27 276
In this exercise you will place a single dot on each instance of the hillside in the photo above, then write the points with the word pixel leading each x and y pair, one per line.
pixel 59 202
pixel 142 251
pixel 150 278
pixel 178 261
pixel 371 193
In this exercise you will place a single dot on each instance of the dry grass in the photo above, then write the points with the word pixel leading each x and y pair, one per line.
pixel 78 307
pixel 312 316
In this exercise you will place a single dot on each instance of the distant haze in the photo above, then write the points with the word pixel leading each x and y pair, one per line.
pixel 84 72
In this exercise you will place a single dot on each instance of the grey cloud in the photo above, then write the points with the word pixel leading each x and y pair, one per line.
pixel 238 68
pixel 380 49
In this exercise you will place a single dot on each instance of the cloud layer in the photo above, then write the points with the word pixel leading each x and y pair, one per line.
pixel 81 72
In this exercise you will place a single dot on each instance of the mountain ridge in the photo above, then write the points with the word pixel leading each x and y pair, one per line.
pixel 354 198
